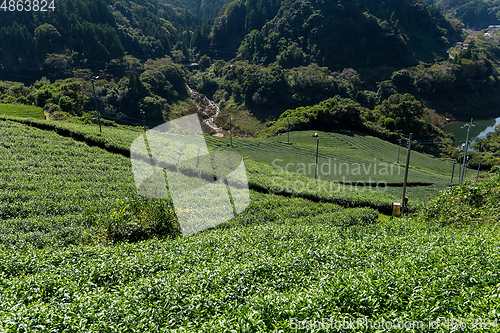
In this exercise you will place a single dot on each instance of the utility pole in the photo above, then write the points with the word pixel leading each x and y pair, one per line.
pixel 288 129
pixel 403 202
pixel 317 149
pixel 453 170
pixel 460 166
pixel 455 162
pixel 230 131
pixel 464 170
pixel 469 126
pixel 478 169
pixel 399 150
pixel 94 79
pixel 143 118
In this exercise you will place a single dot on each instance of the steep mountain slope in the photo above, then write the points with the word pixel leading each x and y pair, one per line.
pixel 477 14
pixel 338 34
pixel 201 8
pixel 90 34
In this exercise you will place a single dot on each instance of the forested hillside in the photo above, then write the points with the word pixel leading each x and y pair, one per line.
pixel 201 8
pixel 98 34
pixel 478 14
pixel 91 34
pixel 336 34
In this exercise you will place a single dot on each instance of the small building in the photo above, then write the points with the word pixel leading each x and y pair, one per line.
pixel 192 65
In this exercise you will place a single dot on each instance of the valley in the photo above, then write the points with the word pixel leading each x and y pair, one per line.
pixel 293 174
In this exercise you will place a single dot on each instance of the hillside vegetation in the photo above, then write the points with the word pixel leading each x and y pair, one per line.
pixel 487 150
pixel 97 34
pixel 201 8
pixel 397 115
pixel 356 163
pixel 468 203
pixel 91 34
pixel 153 87
pixel 262 177
pixel 347 34
pixel 478 14
pixel 258 59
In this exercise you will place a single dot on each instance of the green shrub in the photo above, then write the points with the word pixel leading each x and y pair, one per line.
pixel 467 203
pixel 56 113
pixel 140 218
pixel 7 99
pixel 109 123
pixel 22 100
pixel 66 104
pixel 51 108
pixel 43 97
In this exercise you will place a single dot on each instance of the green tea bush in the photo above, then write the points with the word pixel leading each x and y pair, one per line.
pixel 468 203
pixel 263 177
pixel 140 218
pixel 22 111
pixel 112 138
pixel 355 216
pixel 257 278
pixel 292 256
pixel 49 231
pixel 272 208
pixel 54 190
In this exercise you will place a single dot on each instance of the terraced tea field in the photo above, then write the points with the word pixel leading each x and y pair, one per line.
pixel 349 157
pixel 53 188
pixel 345 157
pixel 56 189
pixel 345 150
pixel 290 262
pixel 23 111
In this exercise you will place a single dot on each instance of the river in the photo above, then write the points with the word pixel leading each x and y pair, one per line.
pixel 480 130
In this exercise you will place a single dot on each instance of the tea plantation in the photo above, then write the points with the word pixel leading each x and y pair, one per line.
pixel 344 157
pixel 299 258
pixel 23 111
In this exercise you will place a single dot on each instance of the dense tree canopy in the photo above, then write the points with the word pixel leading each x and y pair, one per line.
pixel 477 14
pixel 201 8
pixel 91 34
pixel 338 34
